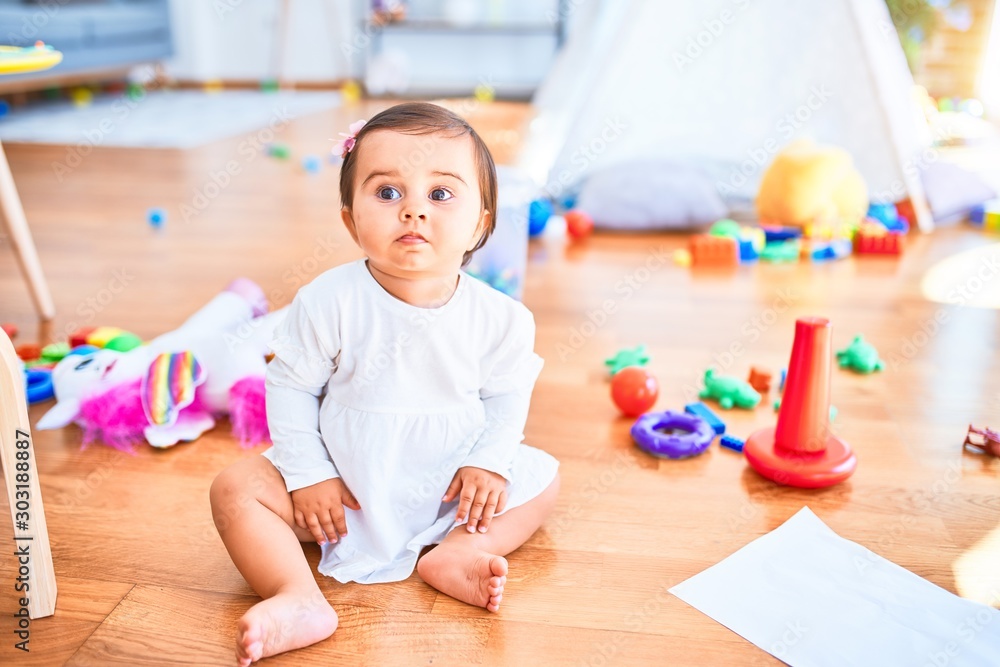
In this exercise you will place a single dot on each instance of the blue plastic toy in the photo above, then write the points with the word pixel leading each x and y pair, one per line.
pixel 312 164
pixel 39 384
pixel 701 410
pixel 889 217
pixel 748 253
pixel 539 213
pixel 156 217
pixel 773 234
pixel 729 442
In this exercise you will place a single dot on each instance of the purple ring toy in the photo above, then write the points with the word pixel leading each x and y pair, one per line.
pixel 695 440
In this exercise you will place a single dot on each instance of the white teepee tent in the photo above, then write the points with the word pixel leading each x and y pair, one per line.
pixel 723 85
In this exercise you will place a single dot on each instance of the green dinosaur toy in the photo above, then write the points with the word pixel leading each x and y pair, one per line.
pixel 729 391
pixel 860 356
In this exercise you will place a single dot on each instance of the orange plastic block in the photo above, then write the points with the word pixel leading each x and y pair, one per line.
pixel 29 351
pixel 708 250
pixel 887 244
pixel 759 379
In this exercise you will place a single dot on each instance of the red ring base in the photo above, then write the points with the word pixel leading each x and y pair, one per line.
pixel 806 470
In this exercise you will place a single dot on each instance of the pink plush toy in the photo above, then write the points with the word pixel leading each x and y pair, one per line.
pixel 172 389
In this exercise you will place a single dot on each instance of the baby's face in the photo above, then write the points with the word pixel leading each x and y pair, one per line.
pixel 417 204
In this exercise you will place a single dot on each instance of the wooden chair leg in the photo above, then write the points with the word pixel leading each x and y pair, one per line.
pixel 24 247
pixel 20 470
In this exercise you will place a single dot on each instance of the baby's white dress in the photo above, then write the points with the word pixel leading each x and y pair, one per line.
pixel 411 395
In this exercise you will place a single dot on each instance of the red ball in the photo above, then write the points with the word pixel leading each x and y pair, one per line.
pixel 578 224
pixel 634 390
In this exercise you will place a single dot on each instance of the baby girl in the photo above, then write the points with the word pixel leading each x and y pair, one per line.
pixel 396 399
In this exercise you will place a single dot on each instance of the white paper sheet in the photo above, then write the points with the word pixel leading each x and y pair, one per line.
pixel 811 598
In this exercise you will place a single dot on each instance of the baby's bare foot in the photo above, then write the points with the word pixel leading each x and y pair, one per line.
pixel 282 623
pixel 470 575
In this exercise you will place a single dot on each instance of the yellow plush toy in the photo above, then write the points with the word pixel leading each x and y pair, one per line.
pixel 810 185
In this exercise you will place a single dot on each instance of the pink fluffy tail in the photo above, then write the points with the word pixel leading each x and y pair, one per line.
pixel 114 416
pixel 247 412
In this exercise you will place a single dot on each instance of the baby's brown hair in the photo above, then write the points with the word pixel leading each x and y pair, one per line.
pixel 426 118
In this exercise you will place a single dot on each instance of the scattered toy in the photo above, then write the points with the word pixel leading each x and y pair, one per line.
pixel 713 251
pixel 702 411
pixel 774 234
pixel 634 390
pixel 539 212
pixel 38 383
pixel 312 164
pixel 672 435
pixel 279 151
pixel 781 251
pixel 983 440
pixel 578 224
pixel 729 442
pixel 156 217
pixel 635 356
pixel 872 242
pixel 28 351
pixel 729 391
pixel 760 379
pixel 800 450
pixel 860 356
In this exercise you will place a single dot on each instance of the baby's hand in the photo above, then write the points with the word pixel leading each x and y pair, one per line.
pixel 483 492
pixel 320 509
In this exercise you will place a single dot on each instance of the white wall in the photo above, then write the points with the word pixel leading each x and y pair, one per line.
pixel 236 39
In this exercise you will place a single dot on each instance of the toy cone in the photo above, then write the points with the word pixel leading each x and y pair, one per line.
pixel 800 450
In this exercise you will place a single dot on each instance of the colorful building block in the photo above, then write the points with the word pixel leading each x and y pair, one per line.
pixel 866 243
pixel 748 253
pixel 773 234
pixel 760 379
pixel 719 251
pixel 991 221
pixel 699 409
pixel 729 442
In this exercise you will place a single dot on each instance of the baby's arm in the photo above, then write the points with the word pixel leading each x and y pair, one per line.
pixel 296 377
pixel 506 395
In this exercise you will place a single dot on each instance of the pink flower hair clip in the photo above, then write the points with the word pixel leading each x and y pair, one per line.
pixel 346 145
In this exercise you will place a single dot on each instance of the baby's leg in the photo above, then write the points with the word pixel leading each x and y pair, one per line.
pixel 471 566
pixel 254 516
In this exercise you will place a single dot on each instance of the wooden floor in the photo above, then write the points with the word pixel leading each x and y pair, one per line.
pixel 144 579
